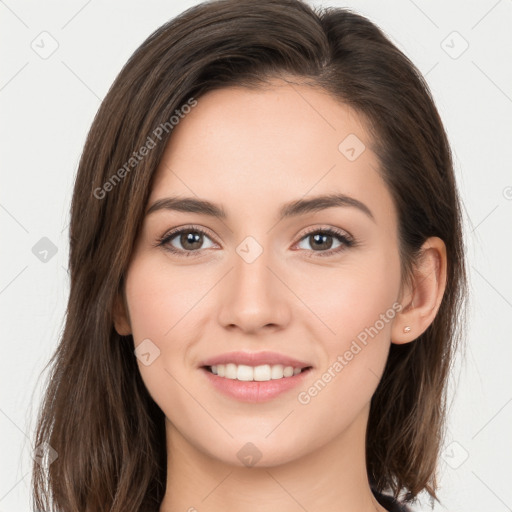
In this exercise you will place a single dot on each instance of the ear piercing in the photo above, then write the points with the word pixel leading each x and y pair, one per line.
pixel 407 329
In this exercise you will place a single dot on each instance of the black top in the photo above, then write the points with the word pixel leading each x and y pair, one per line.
pixel 389 503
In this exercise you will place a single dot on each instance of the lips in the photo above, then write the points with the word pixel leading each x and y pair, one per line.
pixel 255 391
pixel 254 359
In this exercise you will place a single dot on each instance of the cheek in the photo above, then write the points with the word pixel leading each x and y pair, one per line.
pixel 158 304
pixel 357 306
pixel 160 298
pixel 161 303
pixel 352 296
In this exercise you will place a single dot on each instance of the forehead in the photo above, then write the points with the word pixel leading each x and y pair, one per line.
pixel 259 146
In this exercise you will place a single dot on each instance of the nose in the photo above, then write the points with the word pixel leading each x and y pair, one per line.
pixel 254 296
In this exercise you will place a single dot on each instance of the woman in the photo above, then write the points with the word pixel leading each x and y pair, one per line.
pixel 267 274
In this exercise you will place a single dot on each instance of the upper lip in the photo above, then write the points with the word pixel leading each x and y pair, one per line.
pixel 254 359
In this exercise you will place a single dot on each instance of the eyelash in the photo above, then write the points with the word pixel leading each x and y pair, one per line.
pixel 164 240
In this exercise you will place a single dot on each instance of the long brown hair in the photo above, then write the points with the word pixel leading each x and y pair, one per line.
pixel 97 415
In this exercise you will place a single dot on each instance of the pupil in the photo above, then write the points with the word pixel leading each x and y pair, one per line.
pixel 193 239
pixel 319 237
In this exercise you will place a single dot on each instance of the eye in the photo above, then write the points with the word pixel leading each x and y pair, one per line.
pixel 190 239
pixel 321 241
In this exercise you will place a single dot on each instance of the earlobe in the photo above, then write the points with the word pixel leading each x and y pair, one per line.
pixel 120 316
pixel 425 295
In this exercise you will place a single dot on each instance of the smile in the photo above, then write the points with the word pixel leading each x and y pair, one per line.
pixel 260 373
pixel 253 390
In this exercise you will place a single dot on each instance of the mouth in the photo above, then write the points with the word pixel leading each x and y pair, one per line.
pixel 260 373
pixel 241 383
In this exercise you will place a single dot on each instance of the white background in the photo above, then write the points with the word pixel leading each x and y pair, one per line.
pixel 47 106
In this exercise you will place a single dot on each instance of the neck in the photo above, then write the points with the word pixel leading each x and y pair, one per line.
pixel 332 477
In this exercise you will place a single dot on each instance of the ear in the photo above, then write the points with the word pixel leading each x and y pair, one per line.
pixel 120 315
pixel 422 297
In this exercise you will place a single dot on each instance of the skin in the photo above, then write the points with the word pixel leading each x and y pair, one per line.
pixel 252 151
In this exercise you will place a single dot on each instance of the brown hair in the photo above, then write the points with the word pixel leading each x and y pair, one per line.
pixel 97 413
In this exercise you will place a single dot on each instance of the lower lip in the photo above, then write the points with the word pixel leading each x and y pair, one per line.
pixel 254 391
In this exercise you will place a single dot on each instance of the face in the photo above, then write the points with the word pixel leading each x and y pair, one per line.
pixel 316 285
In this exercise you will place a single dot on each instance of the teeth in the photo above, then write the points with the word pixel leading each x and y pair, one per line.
pixel 256 373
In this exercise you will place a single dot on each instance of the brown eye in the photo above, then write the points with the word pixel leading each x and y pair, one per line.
pixel 321 241
pixel 185 242
pixel 191 240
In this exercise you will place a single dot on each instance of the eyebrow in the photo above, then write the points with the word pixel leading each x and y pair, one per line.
pixel 291 209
